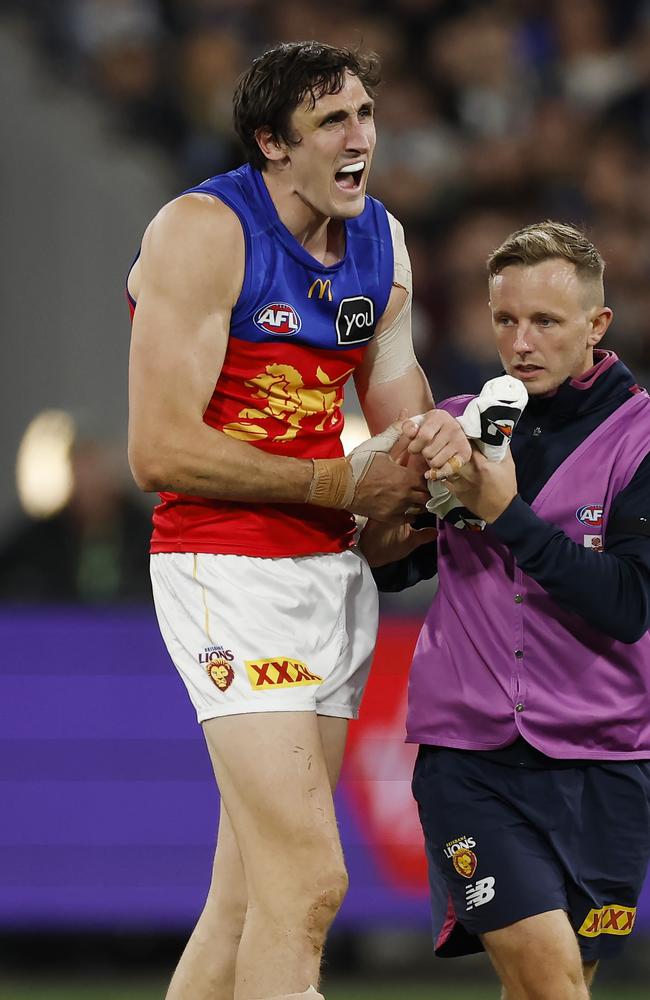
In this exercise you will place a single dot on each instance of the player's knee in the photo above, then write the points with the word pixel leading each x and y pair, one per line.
pixel 567 981
pixel 303 898
pixel 557 984
pixel 227 909
pixel 234 917
pixel 324 904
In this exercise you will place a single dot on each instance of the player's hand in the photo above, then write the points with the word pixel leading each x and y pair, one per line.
pixel 379 478
pixel 485 488
pixel 386 543
pixel 389 490
pixel 391 487
pixel 440 439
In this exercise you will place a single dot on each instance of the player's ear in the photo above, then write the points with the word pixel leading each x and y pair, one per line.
pixel 272 147
pixel 599 322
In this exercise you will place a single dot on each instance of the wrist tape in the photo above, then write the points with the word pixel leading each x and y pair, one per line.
pixel 335 480
pixel 332 484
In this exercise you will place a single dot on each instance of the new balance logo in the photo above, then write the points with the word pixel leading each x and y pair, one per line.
pixel 481 892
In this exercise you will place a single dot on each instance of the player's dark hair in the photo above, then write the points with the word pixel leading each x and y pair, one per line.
pixel 281 79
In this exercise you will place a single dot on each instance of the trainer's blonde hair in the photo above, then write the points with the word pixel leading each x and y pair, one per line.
pixel 547 241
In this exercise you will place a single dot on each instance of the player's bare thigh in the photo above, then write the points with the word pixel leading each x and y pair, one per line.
pixel 228 884
pixel 333 736
pixel 274 777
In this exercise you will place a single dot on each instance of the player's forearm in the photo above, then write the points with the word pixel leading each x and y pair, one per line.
pixel 201 461
pixel 205 462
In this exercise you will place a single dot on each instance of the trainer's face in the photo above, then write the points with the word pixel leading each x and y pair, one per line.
pixel 547 322
pixel 329 163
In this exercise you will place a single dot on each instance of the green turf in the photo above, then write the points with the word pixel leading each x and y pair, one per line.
pixel 488 991
pixel 60 989
pixel 155 990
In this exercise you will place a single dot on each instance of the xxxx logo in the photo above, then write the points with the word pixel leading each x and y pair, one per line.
pixel 264 675
pixel 610 919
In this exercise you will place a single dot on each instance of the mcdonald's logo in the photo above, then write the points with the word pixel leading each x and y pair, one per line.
pixel 322 286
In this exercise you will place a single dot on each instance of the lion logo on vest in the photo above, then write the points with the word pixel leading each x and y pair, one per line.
pixel 465 862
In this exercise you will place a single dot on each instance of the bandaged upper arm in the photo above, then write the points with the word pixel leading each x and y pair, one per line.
pixel 390 353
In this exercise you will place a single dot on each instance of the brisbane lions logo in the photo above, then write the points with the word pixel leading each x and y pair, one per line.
pixel 465 862
pixel 221 673
pixel 285 397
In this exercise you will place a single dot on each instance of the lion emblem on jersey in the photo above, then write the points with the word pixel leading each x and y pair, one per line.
pixel 221 673
pixel 287 400
pixel 465 862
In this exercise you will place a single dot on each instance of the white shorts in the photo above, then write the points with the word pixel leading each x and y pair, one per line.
pixel 268 635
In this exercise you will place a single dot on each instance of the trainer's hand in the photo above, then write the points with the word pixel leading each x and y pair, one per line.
pixel 386 543
pixel 379 478
pixel 440 439
pixel 485 488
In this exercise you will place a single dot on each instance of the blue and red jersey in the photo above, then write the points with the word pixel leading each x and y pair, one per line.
pixel 298 331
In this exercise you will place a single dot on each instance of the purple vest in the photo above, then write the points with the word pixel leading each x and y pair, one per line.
pixel 498 657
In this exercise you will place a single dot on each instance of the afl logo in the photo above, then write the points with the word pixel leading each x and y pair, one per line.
pixel 279 319
pixel 591 515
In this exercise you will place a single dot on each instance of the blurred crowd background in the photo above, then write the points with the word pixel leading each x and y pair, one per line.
pixel 492 114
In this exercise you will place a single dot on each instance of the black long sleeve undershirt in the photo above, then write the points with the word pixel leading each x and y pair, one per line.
pixel 422 564
pixel 610 589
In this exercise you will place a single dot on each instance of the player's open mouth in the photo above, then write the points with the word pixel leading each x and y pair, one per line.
pixel 349 177
pixel 524 372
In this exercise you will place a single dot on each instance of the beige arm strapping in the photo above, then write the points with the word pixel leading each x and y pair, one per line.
pixel 391 353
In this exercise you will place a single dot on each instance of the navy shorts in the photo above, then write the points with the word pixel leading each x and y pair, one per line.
pixel 505 843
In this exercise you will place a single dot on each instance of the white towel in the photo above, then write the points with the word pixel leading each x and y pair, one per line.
pixel 489 419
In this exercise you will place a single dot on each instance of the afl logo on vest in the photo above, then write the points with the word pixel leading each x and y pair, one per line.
pixel 279 319
pixel 591 515
pixel 355 321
